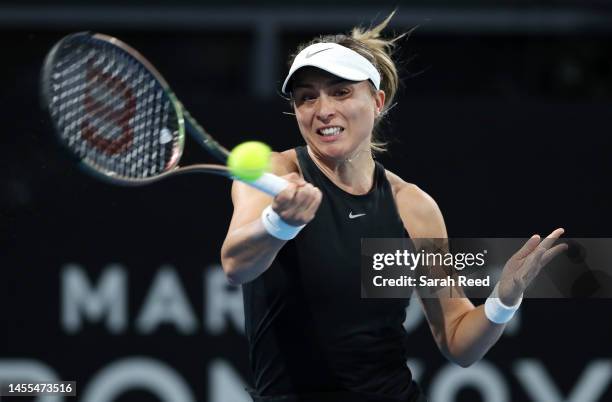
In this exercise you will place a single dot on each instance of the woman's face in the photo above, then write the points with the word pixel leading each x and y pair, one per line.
pixel 335 116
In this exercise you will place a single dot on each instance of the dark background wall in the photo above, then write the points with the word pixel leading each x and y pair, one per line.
pixel 503 117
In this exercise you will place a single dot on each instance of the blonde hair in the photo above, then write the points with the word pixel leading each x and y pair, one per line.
pixel 379 52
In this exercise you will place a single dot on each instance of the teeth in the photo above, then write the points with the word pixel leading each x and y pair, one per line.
pixel 330 131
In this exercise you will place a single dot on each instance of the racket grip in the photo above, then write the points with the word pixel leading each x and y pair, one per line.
pixel 269 184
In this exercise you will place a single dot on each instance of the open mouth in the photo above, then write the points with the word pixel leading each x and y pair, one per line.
pixel 330 131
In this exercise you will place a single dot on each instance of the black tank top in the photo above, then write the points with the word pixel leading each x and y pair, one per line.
pixel 311 336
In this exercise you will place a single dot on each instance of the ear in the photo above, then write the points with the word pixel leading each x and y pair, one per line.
pixel 379 99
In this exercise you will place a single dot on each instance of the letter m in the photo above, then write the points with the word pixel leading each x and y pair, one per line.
pixel 81 299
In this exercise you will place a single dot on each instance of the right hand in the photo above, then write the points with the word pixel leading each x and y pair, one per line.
pixel 298 202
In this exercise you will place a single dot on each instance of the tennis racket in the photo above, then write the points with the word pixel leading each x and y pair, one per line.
pixel 115 113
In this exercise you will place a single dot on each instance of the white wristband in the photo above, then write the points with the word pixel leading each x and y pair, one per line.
pixel 276 226
pixel 498 312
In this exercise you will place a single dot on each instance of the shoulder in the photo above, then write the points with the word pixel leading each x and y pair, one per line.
pixel 285 162
pixel 419 211
pixel 281 164
pixel 410 194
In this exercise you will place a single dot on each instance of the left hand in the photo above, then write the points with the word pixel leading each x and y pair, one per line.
pixel 526 264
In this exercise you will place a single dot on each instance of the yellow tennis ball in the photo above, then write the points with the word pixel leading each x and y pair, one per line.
pixel 249 160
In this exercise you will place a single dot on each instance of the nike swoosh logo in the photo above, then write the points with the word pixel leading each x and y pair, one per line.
pixel 351 216
pixel 310 54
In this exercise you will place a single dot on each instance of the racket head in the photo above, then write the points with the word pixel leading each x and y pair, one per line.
pixel 112 110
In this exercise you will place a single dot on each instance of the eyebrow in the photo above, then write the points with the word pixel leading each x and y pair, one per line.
pixel 328 83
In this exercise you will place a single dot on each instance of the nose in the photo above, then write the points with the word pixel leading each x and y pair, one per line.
pixel 325 108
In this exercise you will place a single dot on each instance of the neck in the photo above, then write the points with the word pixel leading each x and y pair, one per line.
pixel 354 174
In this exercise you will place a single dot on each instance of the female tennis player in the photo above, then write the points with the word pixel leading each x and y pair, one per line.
pixel 297 256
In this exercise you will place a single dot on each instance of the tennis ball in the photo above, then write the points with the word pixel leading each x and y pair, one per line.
pixel 249 160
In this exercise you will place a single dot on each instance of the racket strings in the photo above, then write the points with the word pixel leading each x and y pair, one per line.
pixel 115 119
pixel 112 112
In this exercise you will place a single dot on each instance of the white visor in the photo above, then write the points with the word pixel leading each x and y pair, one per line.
pixel 337 60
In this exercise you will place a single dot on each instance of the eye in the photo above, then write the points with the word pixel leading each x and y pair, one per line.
pixel 342 91
pixel 302 97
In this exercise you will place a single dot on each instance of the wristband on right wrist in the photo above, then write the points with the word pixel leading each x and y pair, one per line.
pixel 276 226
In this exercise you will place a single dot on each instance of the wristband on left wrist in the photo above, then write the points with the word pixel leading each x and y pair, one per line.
pixel 498 312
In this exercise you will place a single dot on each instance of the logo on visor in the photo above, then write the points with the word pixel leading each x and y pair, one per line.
pixel 310 54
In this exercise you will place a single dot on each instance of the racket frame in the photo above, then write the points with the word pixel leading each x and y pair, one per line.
pixel 192 127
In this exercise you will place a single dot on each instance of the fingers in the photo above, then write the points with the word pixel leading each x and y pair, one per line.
pixel 528 247
pixel 540 247
pixel 546 244
pixel 304 196
pixel 311 208
pixel 542 254
pixel 298 202
pixel 552 253
pixel 287 195
pixel 526 263
pixel 303 206
pixel 552 238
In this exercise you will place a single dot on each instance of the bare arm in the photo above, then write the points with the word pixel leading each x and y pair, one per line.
pixel 248 250
pixel 462 332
